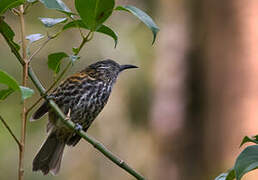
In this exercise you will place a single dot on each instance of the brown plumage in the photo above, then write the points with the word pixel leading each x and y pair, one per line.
pixel 82 96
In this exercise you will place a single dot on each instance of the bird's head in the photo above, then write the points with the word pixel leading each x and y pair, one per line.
pixel 106 70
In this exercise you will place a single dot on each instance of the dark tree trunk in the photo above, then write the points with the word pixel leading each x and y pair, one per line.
pixel 228 43
pixel 206 87
pixel 169 109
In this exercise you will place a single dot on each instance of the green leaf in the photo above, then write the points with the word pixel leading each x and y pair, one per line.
pixel 8 33
pixel 54 61
pixel 75 24
pixel 26 92
pixel 246 161
pixel 229 175
pixel 94 12
pixel 5 92
pixel 145 18
pixel 56 5
pixel 75 50
pixel 106 30
pixel 102 29
pixel 50 22
pixel 246 139
pixel 34 37
pixel 6 4
pixel 10 82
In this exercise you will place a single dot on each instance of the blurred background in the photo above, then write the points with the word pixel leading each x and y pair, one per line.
pixel 180 116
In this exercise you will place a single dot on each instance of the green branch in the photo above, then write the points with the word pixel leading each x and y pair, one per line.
pixel 71 125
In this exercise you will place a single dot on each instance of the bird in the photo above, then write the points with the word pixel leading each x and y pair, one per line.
pixel 81 97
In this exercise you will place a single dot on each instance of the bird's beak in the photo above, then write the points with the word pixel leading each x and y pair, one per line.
pixel 127 66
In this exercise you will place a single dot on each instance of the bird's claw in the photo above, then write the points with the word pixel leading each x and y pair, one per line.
pixel 78 127
pixel 68 115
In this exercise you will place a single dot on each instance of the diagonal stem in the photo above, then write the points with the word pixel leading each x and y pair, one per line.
pixel 10 131
pixel 49 37
pixel 37 51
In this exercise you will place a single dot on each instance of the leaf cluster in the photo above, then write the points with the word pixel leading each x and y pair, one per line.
pixel 90 16
pixel 245 162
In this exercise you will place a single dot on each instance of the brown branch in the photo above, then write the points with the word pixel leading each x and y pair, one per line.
pixel 15 11
pixel 10 131
pixel 24 83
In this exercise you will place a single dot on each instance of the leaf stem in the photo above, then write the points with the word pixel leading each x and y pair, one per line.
pixel 37 51
pixel 15 12
pixel 10 131
pixel 80 30
pixel 84 40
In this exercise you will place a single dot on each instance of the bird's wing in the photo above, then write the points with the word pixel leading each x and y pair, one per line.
pixel 43 109
pixel 57 94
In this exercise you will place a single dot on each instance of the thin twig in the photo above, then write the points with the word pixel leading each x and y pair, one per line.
pixel 24 83
pixel 49 37
pixel 82 35
pixel 10 131
pixel 84 40
pixel 27 7
pixel 23 33
pixel 15 11
pixel 29 60
pixel 37 51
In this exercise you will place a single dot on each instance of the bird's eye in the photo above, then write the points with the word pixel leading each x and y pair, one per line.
pixel 91 73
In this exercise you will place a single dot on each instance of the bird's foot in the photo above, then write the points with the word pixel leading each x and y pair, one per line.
pixel 78 127
pixel 68 115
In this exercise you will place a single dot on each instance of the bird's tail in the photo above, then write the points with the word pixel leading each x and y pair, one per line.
pixel 50 155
